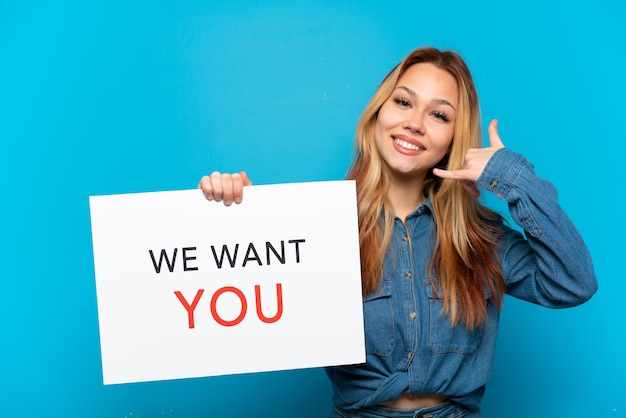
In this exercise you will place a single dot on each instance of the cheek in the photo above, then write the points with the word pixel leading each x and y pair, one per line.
pixel 443 140
pixel 387 118
pixel 378 142
pixel 379 132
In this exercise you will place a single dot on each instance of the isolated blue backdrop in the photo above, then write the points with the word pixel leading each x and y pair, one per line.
pixel 114 96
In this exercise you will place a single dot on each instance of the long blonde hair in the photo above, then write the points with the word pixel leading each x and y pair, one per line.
pixel 464 266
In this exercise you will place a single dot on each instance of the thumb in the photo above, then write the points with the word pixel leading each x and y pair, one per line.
pixel 494 137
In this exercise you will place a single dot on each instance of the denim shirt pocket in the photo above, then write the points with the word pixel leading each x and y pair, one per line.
pixel 447 339
pixel 379 321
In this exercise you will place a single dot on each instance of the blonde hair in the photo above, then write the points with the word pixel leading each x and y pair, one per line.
pixel 464 266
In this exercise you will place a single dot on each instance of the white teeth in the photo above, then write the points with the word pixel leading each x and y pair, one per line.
pixel 406 145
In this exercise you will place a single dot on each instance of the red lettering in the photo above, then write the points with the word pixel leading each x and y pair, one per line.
pixel 189 308
pixel 259 311
pixel 244 306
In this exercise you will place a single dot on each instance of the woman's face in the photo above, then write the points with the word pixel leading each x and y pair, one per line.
pixel 415 124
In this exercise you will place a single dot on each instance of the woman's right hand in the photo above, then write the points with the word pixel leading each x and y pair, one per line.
pixel 227 188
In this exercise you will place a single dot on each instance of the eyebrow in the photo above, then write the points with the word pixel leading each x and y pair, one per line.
pixel 437 101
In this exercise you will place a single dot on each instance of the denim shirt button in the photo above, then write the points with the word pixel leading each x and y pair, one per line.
pixel 410 355
pixel 494 183
pixel 408 274
pixel 405 238
pixel 413 315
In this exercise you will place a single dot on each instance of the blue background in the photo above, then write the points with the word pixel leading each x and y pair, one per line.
pixel 116 96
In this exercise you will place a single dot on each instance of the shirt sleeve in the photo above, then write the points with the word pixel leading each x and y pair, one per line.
pixel 549 264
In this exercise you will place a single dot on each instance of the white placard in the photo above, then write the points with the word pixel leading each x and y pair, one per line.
pixel 188 287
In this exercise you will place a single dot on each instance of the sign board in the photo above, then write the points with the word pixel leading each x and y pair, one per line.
pixel 188 287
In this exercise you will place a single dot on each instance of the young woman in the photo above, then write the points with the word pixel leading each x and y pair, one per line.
pixel 435 262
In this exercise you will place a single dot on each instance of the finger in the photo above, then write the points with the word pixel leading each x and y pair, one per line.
pixel 216 186
pixel 246 180
pixel 494 136
pixel 462 176
pixel 237 181
pixel 227 189
pixel 450 174
pixel 205 185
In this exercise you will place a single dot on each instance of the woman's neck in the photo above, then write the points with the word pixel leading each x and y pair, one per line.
pixel 405 196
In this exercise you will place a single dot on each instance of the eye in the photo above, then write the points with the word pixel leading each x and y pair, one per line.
pixel 441 116
pixel 402 102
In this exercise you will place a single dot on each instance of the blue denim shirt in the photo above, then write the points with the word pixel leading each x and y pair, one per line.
pixel 411 347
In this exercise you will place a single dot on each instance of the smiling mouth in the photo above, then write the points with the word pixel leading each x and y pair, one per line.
pixel 406 145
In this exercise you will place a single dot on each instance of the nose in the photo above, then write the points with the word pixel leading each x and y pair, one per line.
pixel 414 124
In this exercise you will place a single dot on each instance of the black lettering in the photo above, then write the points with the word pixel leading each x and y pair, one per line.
pixel 269 247
pixel 231 261
pixel 170 267
pixel 249 258
pixel 186 258
pixel 297 241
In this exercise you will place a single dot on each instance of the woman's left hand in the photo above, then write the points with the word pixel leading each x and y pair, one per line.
pixel 475 161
